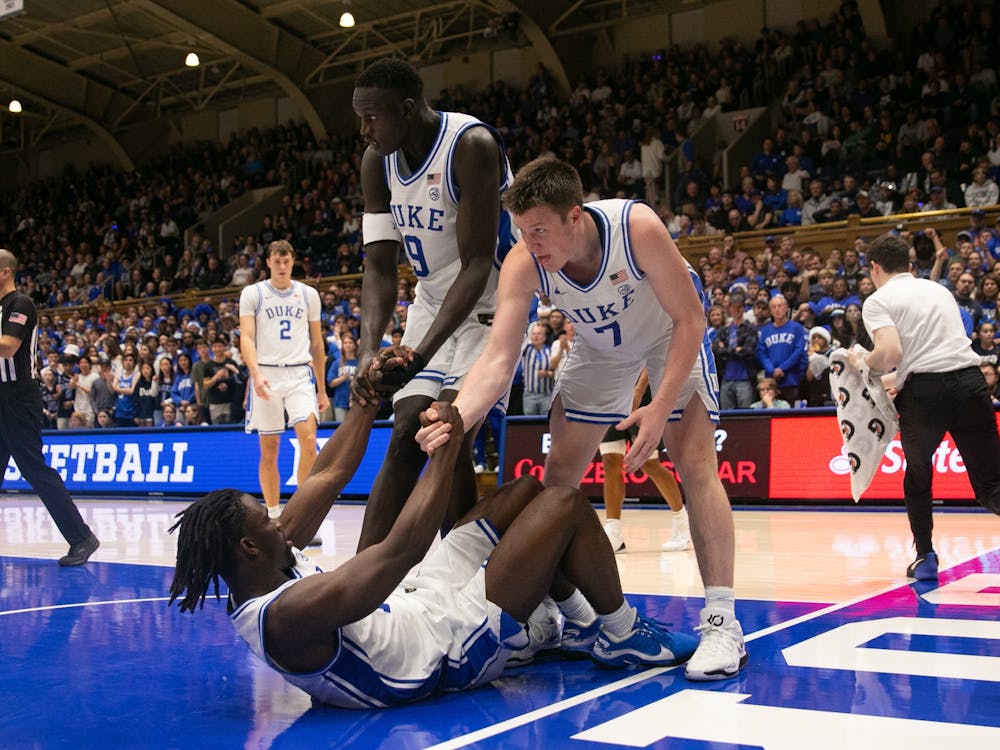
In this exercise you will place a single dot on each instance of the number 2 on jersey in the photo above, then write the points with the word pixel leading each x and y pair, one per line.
pixel 415 252
pixel 285 330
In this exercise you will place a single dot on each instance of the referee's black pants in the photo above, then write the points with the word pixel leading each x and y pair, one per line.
pixel 929 405
pixel 21 437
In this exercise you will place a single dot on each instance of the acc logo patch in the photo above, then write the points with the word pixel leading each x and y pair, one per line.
pixel 434 193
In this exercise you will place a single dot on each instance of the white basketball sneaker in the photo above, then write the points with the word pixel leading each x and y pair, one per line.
pixel 721 653
pixel 681 538
pixel 613 528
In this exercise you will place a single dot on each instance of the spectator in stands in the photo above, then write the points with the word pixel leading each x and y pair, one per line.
pixel 339 375
pixel 770 396
pixel 965 285
pixel 125 386
pixel 182 392
pixel 194 416
pixel 982 191
pixel 863 207
pixel 782 349
pixel 985 343
pixel 835 212
pixel 221 382
pixel 146 395
pixel 651 157
pixel 816 387
pixel 104 419
pixel 735 349
pixel 938 200
pixel 169 418
pixel 817 202
pixel 986 295
pixel 82 384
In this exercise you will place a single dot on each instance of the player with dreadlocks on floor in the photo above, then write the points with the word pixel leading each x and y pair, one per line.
pixel 371 633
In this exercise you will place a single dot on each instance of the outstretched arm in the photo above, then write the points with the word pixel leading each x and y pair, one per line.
pixel 301 623
pixel 334 467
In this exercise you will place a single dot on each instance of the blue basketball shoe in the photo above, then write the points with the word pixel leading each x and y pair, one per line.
pixel 648 644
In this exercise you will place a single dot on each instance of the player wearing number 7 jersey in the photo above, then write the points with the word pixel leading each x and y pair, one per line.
pixel 432 183
pixel 613 270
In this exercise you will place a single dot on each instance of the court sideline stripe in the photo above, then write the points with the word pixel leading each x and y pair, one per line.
pixel 84 604
pixel 541 713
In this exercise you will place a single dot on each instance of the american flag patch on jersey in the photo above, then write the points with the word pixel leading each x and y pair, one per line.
pixel 619 276
pixel 18 318
pixel 434 179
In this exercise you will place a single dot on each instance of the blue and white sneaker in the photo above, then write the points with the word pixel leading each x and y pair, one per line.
pixel 578 638
pixel 721 653
pixel 544 630
pixel 649 644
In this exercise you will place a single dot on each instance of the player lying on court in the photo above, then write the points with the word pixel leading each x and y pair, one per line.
pixel 372 633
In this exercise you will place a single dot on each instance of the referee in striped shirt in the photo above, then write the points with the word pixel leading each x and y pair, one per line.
pixel 21 415
pixel 536 367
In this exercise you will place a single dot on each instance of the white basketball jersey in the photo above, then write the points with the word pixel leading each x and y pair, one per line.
pixel 617 310
pixel 396 654
pixel 424 206
pixel 282 321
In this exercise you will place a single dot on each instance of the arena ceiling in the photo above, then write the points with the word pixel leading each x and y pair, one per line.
pixel 117 65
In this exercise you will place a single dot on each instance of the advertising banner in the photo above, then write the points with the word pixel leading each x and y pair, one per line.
pixel 808 462
pixel 180 461
pixel 743 445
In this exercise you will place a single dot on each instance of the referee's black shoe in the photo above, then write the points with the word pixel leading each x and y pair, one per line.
pixel 80 552
pixel 924 568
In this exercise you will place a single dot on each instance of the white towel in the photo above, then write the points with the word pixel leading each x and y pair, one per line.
pixel 866 415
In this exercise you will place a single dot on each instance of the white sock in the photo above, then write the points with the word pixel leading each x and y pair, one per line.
pixel 721 597
pixel 619 623
pixel 681 515
pixel 273 511
pixel 613 523
pixel 577 608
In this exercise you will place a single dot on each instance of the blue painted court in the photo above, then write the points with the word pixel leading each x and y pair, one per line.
pixel 94 658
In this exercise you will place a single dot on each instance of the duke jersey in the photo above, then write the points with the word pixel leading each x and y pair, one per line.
pixel 282 321
pixel 617 310
pixel 425 637
pixel 424 206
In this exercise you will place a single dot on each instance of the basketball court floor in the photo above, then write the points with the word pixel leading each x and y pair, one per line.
pixel 844 652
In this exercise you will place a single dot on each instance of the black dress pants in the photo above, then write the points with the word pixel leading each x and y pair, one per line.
pixel 21 437
pixel 929 405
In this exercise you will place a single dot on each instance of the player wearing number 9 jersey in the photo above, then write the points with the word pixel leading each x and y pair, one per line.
pixel 613 269
pixel 432 183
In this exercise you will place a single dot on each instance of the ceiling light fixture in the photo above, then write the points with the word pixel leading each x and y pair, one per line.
pixel 192 60
pixel 347 18
pixel 14 106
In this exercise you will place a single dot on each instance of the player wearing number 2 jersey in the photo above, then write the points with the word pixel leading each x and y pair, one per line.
pixel 612 268
pixel 432 183
pixel 282 345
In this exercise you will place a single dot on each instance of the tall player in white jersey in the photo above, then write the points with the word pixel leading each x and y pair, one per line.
pixel 613 269
pixel 432 183
pixel 282 345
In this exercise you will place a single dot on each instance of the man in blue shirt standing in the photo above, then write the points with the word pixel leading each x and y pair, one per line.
pixel 782 350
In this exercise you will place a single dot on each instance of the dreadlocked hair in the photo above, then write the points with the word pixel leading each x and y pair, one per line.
pixel 209 530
